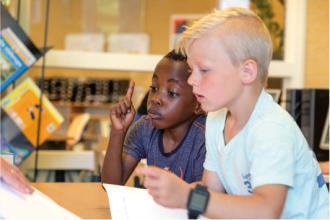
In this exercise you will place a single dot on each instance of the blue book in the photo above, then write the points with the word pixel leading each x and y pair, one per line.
pixel 17 51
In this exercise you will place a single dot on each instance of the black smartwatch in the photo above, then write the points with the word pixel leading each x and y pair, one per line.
pixel 197 201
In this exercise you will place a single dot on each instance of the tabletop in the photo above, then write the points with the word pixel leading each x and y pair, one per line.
pixel 87 200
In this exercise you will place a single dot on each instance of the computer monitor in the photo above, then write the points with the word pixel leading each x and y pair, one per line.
pixel 324 144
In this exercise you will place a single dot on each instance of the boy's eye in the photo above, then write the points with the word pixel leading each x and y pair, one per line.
pixel 204 70
pixel 153 88
pixel 173 94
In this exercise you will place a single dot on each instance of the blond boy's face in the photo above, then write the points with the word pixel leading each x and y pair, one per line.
pixel 215 80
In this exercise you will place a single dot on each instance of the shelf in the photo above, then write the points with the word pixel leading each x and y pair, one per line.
pixel 101 61
pixel 131 62
pixel 61 160
pixel 89 136
pixel 82 105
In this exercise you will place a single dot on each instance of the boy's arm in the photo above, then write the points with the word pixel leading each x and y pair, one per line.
pixel 117 167
pixel 267 201
pixel 211 180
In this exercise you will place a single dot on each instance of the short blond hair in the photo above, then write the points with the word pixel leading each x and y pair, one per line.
pixel 245 36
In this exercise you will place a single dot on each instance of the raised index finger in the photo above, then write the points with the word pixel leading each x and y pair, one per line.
pixel 130 90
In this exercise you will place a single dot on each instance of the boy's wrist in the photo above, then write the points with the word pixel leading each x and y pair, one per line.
pixel 185 195
pixel 118 131
pixel 115 133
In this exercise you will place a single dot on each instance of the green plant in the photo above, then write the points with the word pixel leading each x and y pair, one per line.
pixel 264 9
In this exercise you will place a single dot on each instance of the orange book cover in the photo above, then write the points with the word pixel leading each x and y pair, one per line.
pixel 22 106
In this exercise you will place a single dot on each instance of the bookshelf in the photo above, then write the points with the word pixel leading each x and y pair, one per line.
pixel 69 110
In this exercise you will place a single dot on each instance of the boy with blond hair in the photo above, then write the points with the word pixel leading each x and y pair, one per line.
pixel 258 163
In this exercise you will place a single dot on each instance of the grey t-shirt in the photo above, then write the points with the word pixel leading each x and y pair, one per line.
pixel 143 140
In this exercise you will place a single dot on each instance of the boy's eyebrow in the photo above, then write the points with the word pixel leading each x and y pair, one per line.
pixel 174 81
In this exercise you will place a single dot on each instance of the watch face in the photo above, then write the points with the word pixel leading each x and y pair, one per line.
pixel 197 202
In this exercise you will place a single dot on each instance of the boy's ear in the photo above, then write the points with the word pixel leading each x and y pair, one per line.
pixel 249 71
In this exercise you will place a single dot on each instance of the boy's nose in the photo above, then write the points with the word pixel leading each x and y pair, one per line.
pixel 156 99
pixel 192 80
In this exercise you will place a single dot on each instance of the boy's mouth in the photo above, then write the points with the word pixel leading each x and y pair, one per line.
pixel 153 114
pixel 199 98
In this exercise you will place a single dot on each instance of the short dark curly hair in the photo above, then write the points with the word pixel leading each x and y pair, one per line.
pixel 176 56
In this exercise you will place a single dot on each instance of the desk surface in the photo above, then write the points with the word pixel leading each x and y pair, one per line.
pixel 87 200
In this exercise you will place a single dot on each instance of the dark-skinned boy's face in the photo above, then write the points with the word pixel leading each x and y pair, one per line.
pixel 171 101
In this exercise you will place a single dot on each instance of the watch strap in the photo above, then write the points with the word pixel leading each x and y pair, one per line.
pixel 193 214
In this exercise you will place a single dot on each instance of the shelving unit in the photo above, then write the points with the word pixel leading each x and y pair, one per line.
pixel 131 62
pixel 98 112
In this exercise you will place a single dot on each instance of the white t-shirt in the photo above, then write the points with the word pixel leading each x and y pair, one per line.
pixel 270 149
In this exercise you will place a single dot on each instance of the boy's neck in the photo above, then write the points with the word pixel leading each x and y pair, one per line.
pixel 172 137
pixel 243 107
pixel 238 115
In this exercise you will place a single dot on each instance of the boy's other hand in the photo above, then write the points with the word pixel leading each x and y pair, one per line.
pixel 165 187
pixel 122 113
pixel 12 176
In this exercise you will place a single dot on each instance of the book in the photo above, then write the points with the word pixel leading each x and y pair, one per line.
pixel 22 106
pixel 17 51
pixel 91 91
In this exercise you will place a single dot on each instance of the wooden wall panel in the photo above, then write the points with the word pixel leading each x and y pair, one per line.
pixel 158 14
pixel 317 44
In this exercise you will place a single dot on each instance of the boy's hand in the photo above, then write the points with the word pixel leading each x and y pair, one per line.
pixel 165 187
pixel 122 114
pixel 14 178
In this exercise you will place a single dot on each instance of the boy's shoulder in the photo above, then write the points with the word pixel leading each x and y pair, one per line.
pixel 200 122
pixel 142 124
pixel 268 110
pixel 268 113
pixel 145 125
pixel 216 117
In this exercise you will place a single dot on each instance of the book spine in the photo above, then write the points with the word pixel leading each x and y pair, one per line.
pixel 17 45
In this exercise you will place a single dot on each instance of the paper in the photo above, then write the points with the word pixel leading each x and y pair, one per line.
pixel 133 203
pixel 36 206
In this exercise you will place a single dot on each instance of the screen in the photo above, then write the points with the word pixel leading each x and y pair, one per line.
pixel 197 200
pixel 324 144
